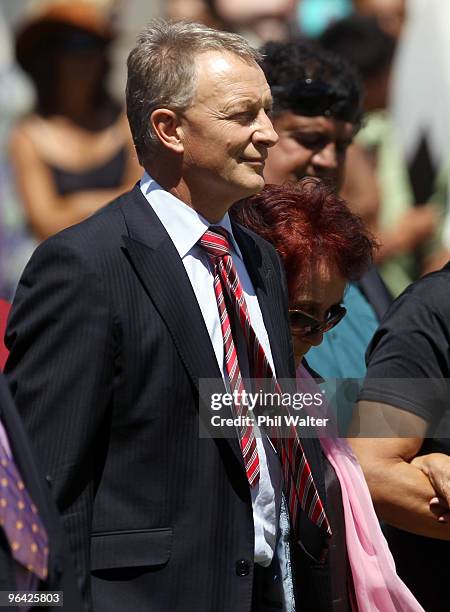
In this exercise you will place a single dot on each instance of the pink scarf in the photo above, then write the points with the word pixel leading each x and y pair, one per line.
pixel 377 586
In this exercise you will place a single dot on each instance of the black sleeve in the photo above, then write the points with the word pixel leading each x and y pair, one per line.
pixel 61 575
pixel 408 358
pixel 60 370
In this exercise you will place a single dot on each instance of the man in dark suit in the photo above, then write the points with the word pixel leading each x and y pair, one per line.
pixel 115 323
pixel 56 573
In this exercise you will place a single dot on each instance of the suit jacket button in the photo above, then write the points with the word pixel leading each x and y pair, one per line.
pixel 48 478
pixel 242 567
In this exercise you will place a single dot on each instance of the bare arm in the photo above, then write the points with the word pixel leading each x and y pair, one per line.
pixel 412 229
pixel 401 492
pixel 361 191
pixel 48 212
pixel 360 188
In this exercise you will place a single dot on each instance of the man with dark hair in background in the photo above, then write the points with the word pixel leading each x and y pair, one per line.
pixel 317 111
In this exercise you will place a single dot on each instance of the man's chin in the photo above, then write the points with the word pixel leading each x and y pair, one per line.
pixel 249 188
pixel 256 183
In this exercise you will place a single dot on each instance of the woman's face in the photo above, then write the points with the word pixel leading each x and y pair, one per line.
pixel 77 69
pixel 320 288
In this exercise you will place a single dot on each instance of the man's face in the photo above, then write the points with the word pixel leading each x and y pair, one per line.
pixel 227 130
pixel 308 146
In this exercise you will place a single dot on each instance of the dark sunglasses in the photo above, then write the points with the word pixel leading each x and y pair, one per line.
pixel 304 324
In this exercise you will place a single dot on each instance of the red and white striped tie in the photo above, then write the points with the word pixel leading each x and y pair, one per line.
pixel 300 488
pixel 225 276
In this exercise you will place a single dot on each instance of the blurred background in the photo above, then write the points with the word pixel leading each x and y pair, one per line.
pixel 65 149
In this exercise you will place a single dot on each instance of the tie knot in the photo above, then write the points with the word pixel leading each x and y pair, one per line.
pixel 215 242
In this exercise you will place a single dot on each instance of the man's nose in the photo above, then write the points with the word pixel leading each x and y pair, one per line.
pixel 326 157
pixel 265 132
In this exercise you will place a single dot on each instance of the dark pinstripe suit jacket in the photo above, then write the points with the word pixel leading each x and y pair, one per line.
pixel 107 348
pixel 61 575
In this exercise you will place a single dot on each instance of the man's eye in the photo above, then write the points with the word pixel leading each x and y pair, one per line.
pixel 310 143
pixel 244 117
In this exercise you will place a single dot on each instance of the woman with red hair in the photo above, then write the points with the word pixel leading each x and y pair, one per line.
pixel 323 245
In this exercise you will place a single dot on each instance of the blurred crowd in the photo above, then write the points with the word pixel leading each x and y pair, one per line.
pixel 65 148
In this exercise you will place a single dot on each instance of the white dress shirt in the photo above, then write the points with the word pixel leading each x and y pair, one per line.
pixel 185 227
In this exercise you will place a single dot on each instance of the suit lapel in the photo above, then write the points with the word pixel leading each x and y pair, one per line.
pixel 162 273
pixel 267 288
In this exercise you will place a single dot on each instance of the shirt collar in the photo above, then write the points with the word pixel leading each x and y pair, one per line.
pixel 184 225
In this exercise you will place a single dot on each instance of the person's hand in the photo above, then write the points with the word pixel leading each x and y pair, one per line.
pixel 440 509
pixel 436 466
pixel 416 226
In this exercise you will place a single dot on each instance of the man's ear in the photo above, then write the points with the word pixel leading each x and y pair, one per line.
pixel 167 128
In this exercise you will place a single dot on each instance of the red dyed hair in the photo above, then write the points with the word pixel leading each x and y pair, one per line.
pixel 307 222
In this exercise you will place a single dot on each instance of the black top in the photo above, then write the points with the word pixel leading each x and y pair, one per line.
pixel 411 352
pixel 107 175
pixel 412 346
